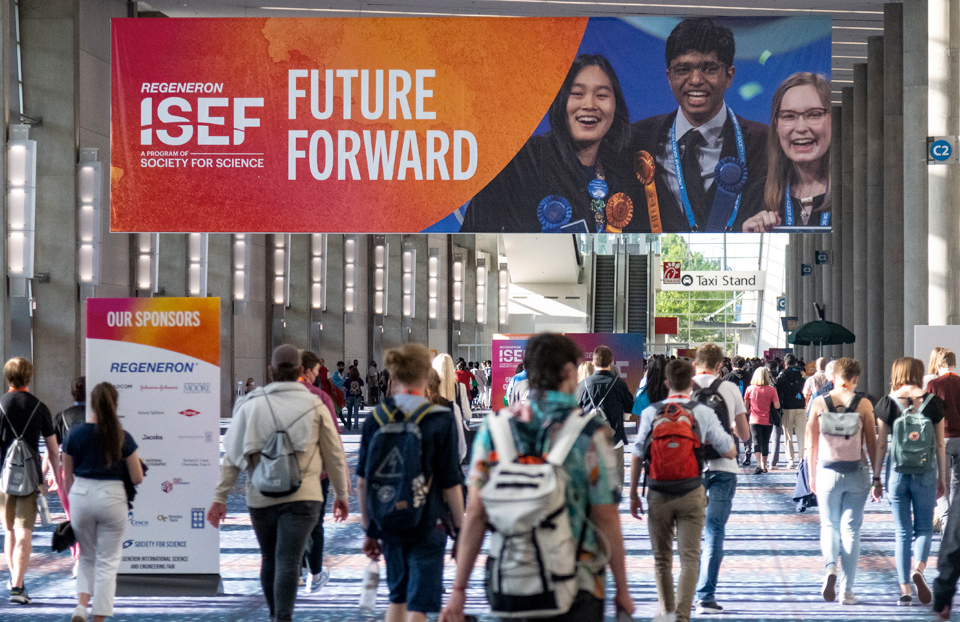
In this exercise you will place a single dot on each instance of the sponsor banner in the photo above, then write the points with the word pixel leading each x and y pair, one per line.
pixel 487 124
pixel 716 281
pixel 508 352
pixel 163 355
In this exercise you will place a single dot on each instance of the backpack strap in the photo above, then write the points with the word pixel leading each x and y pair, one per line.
pixel 595 405
pixel 925 402
pixel 715 385
pixel 567 436
pixel 381 415
pixel 828 401
pixel 19 437
pixel 501 434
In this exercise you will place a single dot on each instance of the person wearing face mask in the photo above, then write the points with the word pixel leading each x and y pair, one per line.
pixel 796 194
pixel 574 178
pixel 708 159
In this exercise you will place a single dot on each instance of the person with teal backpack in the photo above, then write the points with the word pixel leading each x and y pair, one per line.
pixel 916 471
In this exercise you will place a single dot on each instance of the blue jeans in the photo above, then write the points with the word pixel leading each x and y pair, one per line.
pixel 919 493
pixel 353 409
pixel 721 487
pixel 841 498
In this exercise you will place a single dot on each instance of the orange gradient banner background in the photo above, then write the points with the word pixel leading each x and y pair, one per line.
pixel 494 78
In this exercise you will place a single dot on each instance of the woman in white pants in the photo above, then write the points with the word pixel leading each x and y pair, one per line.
pixel 93 460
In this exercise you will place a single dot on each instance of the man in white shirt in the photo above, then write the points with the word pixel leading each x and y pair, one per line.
pixel 814 382
pixel 720 479
pixel 680 513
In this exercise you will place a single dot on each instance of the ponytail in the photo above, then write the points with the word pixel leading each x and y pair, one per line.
pixel 110 433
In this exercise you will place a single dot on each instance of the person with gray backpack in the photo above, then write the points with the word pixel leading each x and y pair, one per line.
pixel 840 424
pixel 542 476
pixel 24 419
pixel 284 437
pixel 917 471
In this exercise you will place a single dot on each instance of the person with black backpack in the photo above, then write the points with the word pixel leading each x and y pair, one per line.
pixel 740 376
pixel 64 422
pixel 720 480
pixel 24 419
pixel 611 396
pixel 542 477
pixel 789 386
pixel 408 475
pixel 671 437
pixel 284 437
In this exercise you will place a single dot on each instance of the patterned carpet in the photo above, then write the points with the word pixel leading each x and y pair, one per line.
pixel 771 572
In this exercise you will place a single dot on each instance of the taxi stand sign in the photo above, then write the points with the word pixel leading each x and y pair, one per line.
pixel 942 150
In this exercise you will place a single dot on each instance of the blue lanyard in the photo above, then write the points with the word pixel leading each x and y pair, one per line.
pixel 788 208
pixel 678 169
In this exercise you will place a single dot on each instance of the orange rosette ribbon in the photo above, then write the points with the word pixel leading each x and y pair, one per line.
pixel 646 166
pixel 619 212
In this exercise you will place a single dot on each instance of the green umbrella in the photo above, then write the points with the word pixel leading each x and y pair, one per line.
pixel 821 333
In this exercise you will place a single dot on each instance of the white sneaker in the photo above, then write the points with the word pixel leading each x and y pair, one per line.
pixel 792 465
pixel 316 581
pixel 79 614
pixel 665 617
pixel 848 599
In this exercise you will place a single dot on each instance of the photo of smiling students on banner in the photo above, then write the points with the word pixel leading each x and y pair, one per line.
pixel 700 164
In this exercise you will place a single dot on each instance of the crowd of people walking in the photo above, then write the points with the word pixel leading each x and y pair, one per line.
pixel 545 480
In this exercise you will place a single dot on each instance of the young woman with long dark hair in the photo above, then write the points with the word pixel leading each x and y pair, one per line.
pixel 575 176
pixel 94 457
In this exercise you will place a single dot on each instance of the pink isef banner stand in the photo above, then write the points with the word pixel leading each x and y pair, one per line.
pixel 508 352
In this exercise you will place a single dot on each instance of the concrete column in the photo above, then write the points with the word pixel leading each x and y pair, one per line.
pixel 873 370
pixel 860 212
pixel 834 239
pixel 893 240
pixel 943 250
pixel 392 336
pixel 251 329
pixel 808 290
pixel 220 285
pixel 792 268
pixel 296 317
pixel 420 323
pixel 915 216
pixel 331 326
pixel 50 91
pixel 172 271
pixel 846 216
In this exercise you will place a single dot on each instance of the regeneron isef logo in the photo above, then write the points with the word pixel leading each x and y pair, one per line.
pixel 189 412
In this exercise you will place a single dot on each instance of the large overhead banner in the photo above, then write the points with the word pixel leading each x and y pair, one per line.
pixel 409 125
pixel 163 355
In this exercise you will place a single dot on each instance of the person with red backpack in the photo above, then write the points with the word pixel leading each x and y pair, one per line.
pixel 670 439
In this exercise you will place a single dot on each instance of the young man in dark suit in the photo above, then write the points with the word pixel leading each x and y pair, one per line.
pixel 704 133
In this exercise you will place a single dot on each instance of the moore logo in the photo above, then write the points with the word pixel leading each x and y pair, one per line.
pixel 152 437
pixel 196 387
pixel 127 544
pixel 166 486
pixel 189 412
